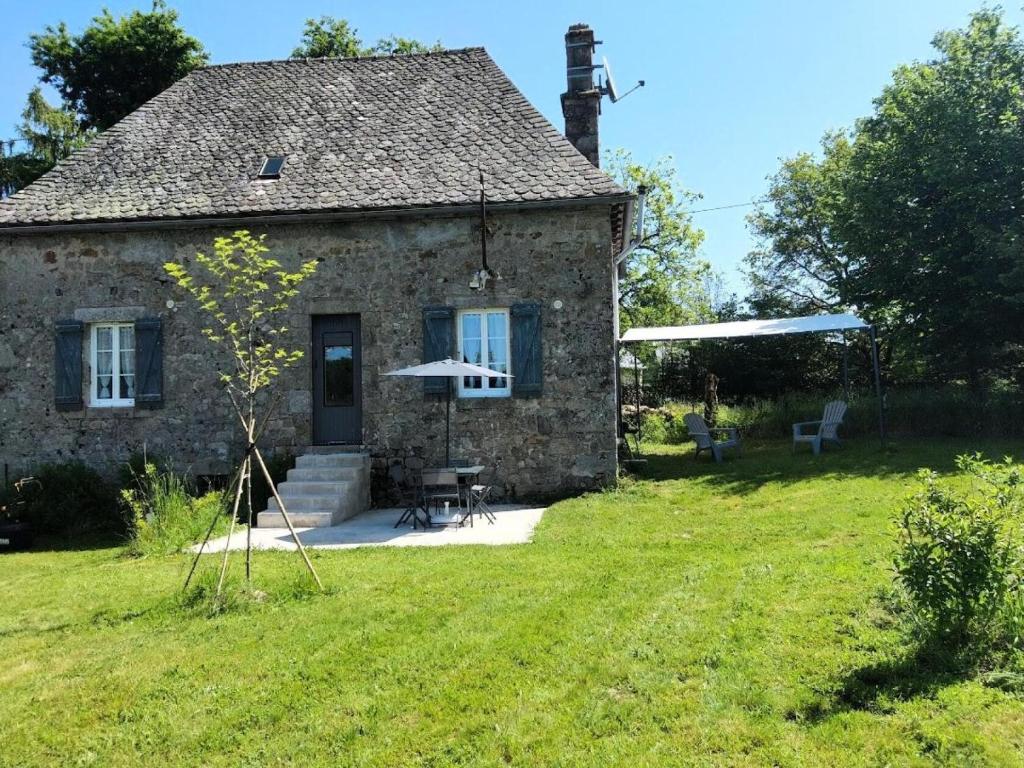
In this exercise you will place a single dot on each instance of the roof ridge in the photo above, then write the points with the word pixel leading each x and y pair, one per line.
pixel 371 57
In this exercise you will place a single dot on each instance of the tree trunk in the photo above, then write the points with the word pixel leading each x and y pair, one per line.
pixel 711 399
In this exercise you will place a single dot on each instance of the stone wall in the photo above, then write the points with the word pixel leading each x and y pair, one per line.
pixel 385 270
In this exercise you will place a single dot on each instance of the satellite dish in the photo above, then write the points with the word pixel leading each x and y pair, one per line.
pixel 609 88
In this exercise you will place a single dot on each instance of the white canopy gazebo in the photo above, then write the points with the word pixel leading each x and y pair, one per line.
pixel 774 327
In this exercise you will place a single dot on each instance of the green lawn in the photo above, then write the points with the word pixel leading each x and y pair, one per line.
pixel 701 616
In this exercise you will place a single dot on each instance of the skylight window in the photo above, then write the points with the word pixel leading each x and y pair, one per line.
pixel 271 168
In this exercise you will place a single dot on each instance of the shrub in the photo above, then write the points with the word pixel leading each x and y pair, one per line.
pixel 164 516
pixel 72 498
pixel 959 559
pixel 653 428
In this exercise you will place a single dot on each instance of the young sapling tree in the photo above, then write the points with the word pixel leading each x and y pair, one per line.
pixel 246 294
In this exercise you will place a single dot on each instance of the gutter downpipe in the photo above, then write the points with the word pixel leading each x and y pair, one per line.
pixel 620 258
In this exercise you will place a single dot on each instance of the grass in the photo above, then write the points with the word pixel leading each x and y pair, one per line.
pixel 702 615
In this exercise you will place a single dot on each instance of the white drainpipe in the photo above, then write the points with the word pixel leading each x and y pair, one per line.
pixel 641 199
pixel 630 246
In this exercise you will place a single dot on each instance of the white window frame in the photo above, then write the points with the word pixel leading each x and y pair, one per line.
pixel 486 390
pixel 115 341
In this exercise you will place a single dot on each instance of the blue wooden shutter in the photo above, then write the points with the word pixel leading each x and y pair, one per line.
pixel 68 365
pixel 527 357
pixel 149 362
pixel 438 343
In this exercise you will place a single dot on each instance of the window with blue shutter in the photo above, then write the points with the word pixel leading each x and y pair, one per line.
pixel 68 365
pixel 438 343
pixel 149 363
pixel 484 340
pixel 527 356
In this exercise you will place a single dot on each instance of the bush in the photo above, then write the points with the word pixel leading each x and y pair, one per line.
pixel 959 559
pixel 164 515
pixel 653 427
pixel 72 498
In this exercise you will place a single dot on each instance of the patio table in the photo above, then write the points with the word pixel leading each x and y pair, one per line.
pixel 467 476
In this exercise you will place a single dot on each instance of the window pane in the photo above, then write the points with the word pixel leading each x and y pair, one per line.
pixel 497 347
pixel 472 353
pixel 497 325
pixel 127 359
pixel 338 375
pixel 103 384
pixel 104 372
pixel 471 326
pixel 126 337
pixel 104 339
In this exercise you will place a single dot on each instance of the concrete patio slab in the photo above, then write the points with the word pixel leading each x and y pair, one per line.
pixel 514 524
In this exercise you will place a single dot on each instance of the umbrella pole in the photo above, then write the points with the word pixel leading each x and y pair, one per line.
pixel 447 422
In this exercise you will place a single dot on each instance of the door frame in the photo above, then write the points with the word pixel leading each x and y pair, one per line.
pixel 314 364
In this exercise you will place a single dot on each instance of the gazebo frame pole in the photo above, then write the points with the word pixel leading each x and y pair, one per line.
pixel 846 369
pixel 878 384
pixel 636 383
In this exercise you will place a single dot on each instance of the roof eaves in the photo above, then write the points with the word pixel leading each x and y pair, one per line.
pixel 291 217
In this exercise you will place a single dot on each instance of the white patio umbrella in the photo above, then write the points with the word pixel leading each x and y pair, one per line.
pixel 448 369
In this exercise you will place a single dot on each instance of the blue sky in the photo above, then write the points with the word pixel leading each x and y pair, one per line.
pixel 731 86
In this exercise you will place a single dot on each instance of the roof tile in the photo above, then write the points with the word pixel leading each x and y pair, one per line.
pixel 370 133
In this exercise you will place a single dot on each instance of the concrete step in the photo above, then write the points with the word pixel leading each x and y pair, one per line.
pixel 323 489
pixel 322 501
pixel 320 460
pixel 315 449
pixel 270 519
pixel 324 474
pixel 335 488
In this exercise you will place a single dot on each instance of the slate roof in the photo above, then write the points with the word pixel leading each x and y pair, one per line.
pixel 385 132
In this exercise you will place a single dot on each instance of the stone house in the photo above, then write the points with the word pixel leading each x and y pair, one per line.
pixel 372 166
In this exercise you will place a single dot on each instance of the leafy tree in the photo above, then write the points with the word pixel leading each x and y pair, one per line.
pixel 116 64
pixel 395 44
pixel 246 295
pixel 803 266
pixel 49 134
pixel 801 263
pixel 915 219
pixel 328 37
pixel 666 281
pixel 935 194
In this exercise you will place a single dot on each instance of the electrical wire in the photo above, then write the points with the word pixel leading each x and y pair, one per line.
pixel 734 205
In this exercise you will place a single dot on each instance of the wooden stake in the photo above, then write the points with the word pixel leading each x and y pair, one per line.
pixel 209 531
pixel 246 468
pixel 284 514
pixel 248 530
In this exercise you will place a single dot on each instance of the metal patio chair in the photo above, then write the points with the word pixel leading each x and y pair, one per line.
pixel 441 489
pixel 407 489
pixel 479 495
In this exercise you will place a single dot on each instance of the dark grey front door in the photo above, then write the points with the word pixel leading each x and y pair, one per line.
pixel 337 380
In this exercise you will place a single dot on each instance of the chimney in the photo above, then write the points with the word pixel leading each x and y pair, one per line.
pixel 581 103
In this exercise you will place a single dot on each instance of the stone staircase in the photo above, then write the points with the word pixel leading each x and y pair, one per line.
pixel 325 488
